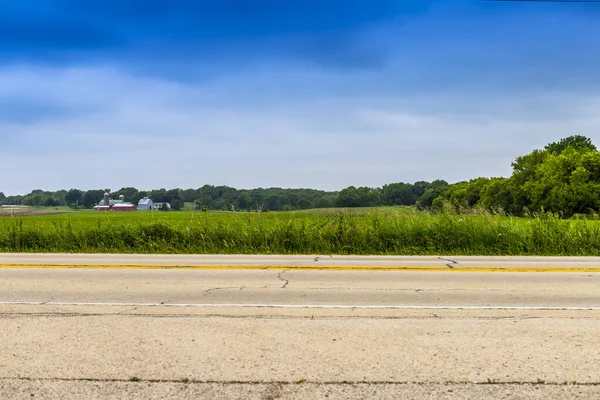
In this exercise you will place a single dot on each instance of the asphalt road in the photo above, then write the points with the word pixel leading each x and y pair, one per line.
pixel 299 261
pixel 134 330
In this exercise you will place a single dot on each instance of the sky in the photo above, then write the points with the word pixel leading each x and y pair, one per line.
pixel 298 93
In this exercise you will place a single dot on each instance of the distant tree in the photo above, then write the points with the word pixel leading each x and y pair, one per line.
pixel 92 197
pixel 577 142
pixel 325 201
pixel 430 195
pixel 398 194
pixel 189 195
pixel 303 204
pixel 49 202
pixel 14 200
pixel 74 198
pixel 164 207
pixel 177 204
pixel 34 201
pixel 419 188
pixel 159 195
pixel 273 202
pixel 348 197
pixel 130 194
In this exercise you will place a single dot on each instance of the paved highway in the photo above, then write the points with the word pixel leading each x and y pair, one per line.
pixel 477 263
pixel 270 327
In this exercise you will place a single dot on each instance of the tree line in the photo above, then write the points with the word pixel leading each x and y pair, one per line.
pixel 563 177
pixel 225 197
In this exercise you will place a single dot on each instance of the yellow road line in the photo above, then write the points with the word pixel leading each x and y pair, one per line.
pixel 419 268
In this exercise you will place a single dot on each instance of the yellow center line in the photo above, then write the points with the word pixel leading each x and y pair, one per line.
pixel 210 267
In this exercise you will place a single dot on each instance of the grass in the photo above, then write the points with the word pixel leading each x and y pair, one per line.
pixel 385 231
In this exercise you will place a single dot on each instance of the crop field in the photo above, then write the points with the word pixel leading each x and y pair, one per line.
pixel 370 231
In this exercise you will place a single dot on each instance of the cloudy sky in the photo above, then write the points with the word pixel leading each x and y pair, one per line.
pixel 296 93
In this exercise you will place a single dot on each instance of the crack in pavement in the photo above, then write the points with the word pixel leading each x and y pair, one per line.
pixel 451 263
pixel 127 311
pixel 281 316
pixel 287 382
pixel 208 291
pixel 281 278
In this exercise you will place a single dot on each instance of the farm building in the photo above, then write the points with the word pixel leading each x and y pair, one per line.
pixel 108 204
pixel 159 206
pixel 146 204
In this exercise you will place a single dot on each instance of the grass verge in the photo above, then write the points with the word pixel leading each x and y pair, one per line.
pixel 378 232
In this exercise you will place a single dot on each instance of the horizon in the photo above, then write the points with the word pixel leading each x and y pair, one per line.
pixel 298 95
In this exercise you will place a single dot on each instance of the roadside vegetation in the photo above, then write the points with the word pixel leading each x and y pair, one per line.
pixel 390 231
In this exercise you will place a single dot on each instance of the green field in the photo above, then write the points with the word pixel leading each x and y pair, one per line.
pixel 391 231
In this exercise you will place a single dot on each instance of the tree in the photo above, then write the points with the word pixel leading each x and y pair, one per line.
pixel 419 188
pixel 398 194
pixel 130 194
pixel 358 197
pixel 34 201
pixel 429 196
pixel 348 197
pixel 177 204
pixel 577 142
pixel 49 202
pixel 325 201
pixel 92 197
pixel 562 178
pixel 303 204
pixel 74 198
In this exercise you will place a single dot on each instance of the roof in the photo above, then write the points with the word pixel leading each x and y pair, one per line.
pixel 145 200
pixel 111 202
pixel 123 205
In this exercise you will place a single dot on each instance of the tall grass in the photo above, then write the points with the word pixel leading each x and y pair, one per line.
pixel 377 232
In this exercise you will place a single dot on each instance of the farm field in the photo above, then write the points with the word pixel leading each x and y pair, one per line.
pixel 367 231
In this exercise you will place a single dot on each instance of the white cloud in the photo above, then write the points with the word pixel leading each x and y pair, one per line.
pixel 122 130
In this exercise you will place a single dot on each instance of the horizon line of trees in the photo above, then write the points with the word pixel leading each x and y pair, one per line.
pixel 224 197
pixel 563 177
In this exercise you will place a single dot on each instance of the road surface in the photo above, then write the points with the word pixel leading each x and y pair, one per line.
pixel 283 327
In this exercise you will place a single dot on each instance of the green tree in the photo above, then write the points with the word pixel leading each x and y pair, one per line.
pixel 348 197
pixel 398 194
pixel 74 198
pixel 429 196
pixel 577 142
pixel 92 197
pixel 325 201
pixel 177 204
pixel 303 204
pixel 130 194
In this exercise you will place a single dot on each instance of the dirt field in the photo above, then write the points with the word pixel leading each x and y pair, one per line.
pixel 25 212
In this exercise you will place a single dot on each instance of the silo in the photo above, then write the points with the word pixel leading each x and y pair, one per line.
pixel 106 199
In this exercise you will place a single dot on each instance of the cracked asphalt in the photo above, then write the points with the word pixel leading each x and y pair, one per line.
pixel 268 334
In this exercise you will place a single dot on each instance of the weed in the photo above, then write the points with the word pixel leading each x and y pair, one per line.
pixel 379 232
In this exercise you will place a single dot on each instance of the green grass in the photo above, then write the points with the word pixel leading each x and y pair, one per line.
pixel 391 231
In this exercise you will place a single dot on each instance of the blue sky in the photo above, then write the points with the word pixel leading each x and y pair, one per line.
pixel 312 93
